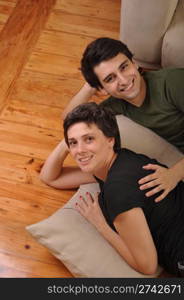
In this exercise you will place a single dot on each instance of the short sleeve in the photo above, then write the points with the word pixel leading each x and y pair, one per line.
pixel 123 196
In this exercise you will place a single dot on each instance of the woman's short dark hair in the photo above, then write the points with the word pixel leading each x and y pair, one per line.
pixel 101 49
pixel 92 113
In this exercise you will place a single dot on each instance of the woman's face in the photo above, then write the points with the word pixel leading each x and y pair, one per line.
pixel 90 148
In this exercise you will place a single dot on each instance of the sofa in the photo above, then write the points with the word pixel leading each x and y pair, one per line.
pixel 154 32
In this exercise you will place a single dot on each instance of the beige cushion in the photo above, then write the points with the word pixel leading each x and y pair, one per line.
pixel 143 140
pixel 173 42
pixel 143 26
pixel 75 241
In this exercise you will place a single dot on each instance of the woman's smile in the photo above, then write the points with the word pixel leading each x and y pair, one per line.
pixel 85 160
pixel 88 145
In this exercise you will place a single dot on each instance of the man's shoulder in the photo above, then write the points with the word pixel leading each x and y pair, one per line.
pixel 164 73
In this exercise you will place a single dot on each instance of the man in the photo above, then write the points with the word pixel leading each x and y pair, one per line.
pixel 153 99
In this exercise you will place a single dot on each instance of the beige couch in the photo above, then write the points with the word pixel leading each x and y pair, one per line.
pixel 154 31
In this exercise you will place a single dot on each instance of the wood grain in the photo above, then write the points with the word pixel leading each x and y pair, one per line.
pixel 21 32
pixel 103 9
pixel 82 25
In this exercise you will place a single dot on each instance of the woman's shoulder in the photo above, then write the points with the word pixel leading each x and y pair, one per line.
pixel 129 163
pixel 130 156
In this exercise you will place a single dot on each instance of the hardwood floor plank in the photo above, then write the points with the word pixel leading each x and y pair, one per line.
pixel 28 113
pixel 67 67
pixel 26 140
pixel 21 32
pixel 103 9
pixel 15 266
pixel 38 203
pixel 31 142
pixel 82 25
pixel 46 89
pixel 19 168
pixel 6 8
pixel 27 246
pixel 62 43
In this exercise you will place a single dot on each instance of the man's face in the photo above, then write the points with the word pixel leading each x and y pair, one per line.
pixel 121 79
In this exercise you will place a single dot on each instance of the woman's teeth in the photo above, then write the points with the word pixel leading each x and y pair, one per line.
pixel 84 159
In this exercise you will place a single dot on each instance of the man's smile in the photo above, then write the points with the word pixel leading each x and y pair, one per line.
pixel 128 87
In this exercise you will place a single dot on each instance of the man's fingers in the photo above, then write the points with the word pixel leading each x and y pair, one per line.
pixel 147 178
pixel 154 191
pixel 162 196
pixel 149 185
pixel 151 167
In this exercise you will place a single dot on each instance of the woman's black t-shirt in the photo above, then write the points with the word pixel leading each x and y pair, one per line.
pixel 120 192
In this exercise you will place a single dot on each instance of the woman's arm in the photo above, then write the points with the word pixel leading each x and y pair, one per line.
pixel 134 241
pixel 134 231
pixel 54 174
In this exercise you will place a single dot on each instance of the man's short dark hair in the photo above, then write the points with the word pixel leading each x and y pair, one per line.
pixel 101 49
pixel 92 113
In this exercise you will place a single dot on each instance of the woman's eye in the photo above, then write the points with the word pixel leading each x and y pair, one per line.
pixel 71 143
pixel 89 139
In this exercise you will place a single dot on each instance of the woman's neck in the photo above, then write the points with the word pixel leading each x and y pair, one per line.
pixel 102 174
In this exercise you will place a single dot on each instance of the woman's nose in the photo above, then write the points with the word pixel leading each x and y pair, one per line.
pixel 80 147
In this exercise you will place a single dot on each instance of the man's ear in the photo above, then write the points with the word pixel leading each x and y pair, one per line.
pixel 135 64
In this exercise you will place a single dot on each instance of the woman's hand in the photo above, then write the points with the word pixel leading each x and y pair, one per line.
pixel 89 208
pixel 162 179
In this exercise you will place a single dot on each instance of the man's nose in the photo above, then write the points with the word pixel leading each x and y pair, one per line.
pixel 122 79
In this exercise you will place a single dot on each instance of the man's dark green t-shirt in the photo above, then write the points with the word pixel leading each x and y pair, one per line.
pixel 163 108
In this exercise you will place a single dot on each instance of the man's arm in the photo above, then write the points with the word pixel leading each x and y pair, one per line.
pixel 162 179
pixel 54 174
pixel 83 96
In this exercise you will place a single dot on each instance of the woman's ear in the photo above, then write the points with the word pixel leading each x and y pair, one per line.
pixel 111 142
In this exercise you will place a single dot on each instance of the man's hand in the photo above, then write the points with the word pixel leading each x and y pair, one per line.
pixel 89 208
pixel 162 179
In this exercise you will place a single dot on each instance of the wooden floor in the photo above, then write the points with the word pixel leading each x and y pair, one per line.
pixel 41 43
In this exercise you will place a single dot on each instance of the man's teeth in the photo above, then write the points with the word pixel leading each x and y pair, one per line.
pixel 127 88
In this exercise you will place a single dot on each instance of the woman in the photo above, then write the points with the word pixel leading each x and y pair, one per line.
pixel 144 232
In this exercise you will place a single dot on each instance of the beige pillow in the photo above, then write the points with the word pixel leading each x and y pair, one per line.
pixel 74 240
pixel 78 244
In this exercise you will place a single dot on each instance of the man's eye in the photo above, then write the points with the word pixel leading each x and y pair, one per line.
pixel 109 79
pixel 123 67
